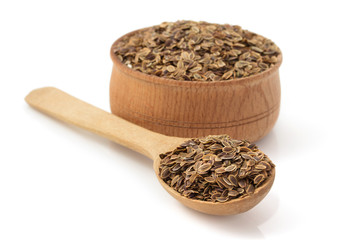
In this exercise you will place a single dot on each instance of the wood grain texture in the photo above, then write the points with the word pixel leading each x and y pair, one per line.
pixel 69 109
pixel 245 108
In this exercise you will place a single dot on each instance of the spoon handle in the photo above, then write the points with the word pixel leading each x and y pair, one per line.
pixel 67 108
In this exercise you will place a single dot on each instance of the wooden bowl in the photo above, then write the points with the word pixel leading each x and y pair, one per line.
pixel 244 108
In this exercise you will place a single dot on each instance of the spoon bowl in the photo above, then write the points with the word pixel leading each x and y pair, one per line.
pixel 232 207
pixel 69 109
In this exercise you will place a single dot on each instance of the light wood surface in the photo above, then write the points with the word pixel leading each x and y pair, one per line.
pixel 69 109
pixel 245 108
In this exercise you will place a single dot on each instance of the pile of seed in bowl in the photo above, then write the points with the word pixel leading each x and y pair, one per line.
pixel 215 168
pixel 197 51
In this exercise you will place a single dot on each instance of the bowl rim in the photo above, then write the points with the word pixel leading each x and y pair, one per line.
pixel 173 82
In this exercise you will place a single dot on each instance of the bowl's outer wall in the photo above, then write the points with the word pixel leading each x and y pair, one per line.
pixel 244 109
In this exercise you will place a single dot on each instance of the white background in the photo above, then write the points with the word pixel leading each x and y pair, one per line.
pixel 60 182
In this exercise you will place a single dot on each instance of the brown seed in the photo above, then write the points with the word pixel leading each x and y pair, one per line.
pixel 231 168
pixel 174 180
pixel 197 76
pixel 233 193
pixel 222 183
pixel 215 196
pixel 204 168
pixel 227 182
pixel 266 164
pixel 260 166
pixel 263 65
pixel 210 179
pixel 243 149
pixel 165 173
pixel 228 156
pixel 197 165
pixel 227 149
pixel 233 180
pixel 242 173
pixel 176 167
pixel 196 69
pixel 220 170
pixel 220 63
pixel 225 193
pixel 171 68
pixel 209 157
pixel 240 190
pixel 227 75
pixel 198 156
pixel 242 183
pixel 244 166
pixel 193 177
pixel 179 182
pixel 256 49
pixel 246 156
pixel 250 163
pixel 241 64
pixel 250 189
pixel 222 199
pixel 215 147
pixel 258 179
pixel 265 174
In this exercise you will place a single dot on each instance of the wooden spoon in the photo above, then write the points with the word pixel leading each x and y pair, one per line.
pixel 69 109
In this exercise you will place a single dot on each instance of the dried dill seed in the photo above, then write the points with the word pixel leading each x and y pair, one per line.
pixel 197 51
pixel 215 168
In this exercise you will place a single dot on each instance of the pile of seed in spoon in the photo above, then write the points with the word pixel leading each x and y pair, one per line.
pixel 215 168
pixel 197 51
